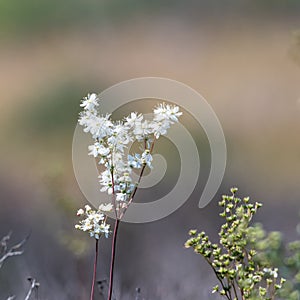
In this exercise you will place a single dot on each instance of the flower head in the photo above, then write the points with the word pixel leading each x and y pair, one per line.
pixel 90 101
pixel 94 222
pixel 167 112
pixel 111 138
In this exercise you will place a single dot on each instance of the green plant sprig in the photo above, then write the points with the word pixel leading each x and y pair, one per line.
pixel 243 271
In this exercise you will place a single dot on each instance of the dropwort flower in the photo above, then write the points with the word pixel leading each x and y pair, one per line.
pixel 111 138
pixel 95 221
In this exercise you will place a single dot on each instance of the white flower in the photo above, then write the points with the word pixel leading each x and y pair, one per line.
pixel 95 217
pixel 107 189
pixel 94 222
pixel 174 113
pixel 133 119
pixel 90 101
pixel 273 273
pixel 111 138
pixel 106 207
pixel 147 158
pixel 80 212
pixel 160 128
pixel 87 208
pixel 142 130
pixel 167 112
pixel 100 127
pixel 86 226
pixel 106 182
pixel 135 161
pixel 125 178
pixel 85 117
pixel 105 229
pixel 121 196
pixel 98 149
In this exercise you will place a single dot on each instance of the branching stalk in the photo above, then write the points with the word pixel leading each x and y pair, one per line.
pixel 95 270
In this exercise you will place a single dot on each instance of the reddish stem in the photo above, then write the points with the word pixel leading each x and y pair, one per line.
pixel 95 271
pixel 112 260
pixel 117 222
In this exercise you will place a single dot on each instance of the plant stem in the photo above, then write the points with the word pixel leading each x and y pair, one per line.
pixel 220 280
pixel 112 260
pixel 95 270
pixel 137 184
pixel 32 286
pixel 234 289
pixel 117 222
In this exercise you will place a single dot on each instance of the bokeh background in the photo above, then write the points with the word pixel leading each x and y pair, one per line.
pixel 242 56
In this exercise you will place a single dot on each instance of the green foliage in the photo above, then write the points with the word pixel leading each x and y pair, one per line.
pixel 53 111
pixel 247 260
pixel 34 16
pixel 294 50
pixel 291 266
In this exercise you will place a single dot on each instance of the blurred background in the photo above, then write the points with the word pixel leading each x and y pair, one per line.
pixel 242 56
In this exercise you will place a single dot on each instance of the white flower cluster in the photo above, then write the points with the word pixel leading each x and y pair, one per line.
pixel 272 273
pixel 112 137
pixel 95 221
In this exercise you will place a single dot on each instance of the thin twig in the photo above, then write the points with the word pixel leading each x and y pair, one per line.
pixel 34 285
pixel 220 280
pixel 117 222
pixel 112 260
pixel 3 243
pixel 138 182
pixel 134 191
pixel 234 289
pixel 95 270
pixel 13 251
